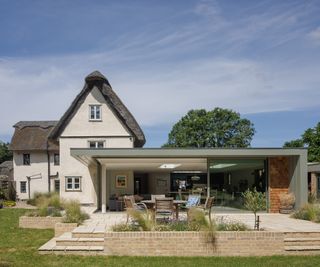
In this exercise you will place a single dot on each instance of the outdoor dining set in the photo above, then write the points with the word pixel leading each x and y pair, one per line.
pixel 167 207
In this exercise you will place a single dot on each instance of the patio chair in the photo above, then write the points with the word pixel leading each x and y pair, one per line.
pixel 193 201
pixel 131 205
pixel 207 206
pixel 163 208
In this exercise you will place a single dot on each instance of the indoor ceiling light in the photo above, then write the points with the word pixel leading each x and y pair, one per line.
pixel 169 166
pixel 189 172
pixel 195 178
pixel 222 165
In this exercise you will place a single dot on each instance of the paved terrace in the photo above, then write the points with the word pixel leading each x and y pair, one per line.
pixel 269 221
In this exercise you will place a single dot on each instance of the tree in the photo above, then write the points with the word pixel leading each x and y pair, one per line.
pixel 254 201
pixel 5 153
pixel 215 128
pixel 310 139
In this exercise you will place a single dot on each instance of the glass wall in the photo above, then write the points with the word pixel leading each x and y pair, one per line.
pixel 229 178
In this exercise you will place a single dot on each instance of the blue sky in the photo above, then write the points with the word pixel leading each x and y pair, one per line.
pixel 260 58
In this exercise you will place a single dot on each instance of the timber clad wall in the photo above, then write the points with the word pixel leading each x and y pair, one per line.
pixel 194 244
pixel 279 181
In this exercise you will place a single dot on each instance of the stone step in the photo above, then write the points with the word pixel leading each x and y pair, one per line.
pixel 88 232
pixel 79 241
pixel 87 235
pixel 302 248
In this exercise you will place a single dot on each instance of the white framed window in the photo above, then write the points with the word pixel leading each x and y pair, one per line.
pixel 23 187
pixel 95 112
pixel 26 159
pixel 73 183
pixel 96 144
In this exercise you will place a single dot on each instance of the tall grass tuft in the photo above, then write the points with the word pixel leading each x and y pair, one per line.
pixel 73 212
pixel 309 212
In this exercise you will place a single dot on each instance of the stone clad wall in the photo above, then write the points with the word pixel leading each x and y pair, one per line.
pixel 279 181
pixel 38 222
pixel 194 244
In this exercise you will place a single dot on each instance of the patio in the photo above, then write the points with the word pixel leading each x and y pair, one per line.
pixel 269 221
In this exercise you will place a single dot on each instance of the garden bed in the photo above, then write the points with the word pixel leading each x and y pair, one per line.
pixel 39 222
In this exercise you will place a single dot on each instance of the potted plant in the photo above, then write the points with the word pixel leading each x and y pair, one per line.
pixel 287 201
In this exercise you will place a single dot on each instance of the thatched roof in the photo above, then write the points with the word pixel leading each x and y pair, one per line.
pixel 33 135
pixel 7 165
pixel 96 79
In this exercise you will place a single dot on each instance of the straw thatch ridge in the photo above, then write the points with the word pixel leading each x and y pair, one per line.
pixel 96 79
pixel 33 135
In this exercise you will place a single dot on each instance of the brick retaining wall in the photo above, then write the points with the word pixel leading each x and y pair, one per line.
pixel 194 244
pixel 38 222
pixel 61 228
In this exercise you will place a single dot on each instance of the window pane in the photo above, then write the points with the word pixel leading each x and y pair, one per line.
pixel 100 144
pixel 26 159
pixel 56 159
pixel 23 187
pixel 98 112
pixel 56 185
pixel 92 112
pixel 92 144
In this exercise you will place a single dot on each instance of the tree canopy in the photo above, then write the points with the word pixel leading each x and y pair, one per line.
pixel 5 153
pixel 310 139
pixel 215 128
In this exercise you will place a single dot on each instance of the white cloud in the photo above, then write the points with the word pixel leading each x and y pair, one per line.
pixel 315 35
pixel 160 75
pixel 43 88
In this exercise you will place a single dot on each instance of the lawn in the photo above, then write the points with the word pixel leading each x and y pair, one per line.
pixel 18 247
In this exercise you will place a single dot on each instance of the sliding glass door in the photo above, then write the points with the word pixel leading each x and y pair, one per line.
pixel 229 178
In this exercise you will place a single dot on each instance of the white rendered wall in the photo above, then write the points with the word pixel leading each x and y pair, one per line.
pixel 38 166
pixel 77 134
pixel 81 126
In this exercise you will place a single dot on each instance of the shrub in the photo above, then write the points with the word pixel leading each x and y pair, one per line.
pixel 48 204
pixel 309 212
pixel 33 213
pixel 9 203
pixel 231 225
pixel 123 227
pixel 312 198
pixel 287 200
pixel 73 213
pixel 142 219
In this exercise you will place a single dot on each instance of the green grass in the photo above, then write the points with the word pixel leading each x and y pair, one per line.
pixel 18 247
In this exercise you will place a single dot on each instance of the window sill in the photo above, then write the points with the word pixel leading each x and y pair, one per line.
pixel 92 120
pixel 70 190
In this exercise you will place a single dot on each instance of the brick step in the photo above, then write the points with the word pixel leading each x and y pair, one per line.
pixel 302 248
pixel 301 239
pixel 302 235
pixel 81 241
pixel 83 250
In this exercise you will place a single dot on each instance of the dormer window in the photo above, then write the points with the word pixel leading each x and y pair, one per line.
pixel 95 112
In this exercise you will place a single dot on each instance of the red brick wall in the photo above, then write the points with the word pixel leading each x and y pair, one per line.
pixel 278 181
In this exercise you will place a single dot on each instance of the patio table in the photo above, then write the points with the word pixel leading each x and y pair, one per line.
pixel 176 203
